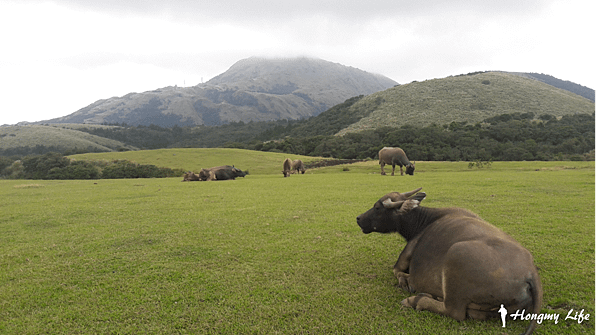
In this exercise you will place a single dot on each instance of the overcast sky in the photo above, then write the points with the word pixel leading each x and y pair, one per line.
pixel 59 56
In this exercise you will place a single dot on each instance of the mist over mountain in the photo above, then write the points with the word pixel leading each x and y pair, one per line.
pixel 253 89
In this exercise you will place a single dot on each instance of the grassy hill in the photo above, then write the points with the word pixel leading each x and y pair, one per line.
pixel 61 137
pixel 194 159
pixel 470 98
pixel 269 163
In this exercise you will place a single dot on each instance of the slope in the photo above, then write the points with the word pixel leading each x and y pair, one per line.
pixel 56 138
pixel 465 98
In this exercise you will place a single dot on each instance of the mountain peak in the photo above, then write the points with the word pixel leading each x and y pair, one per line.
pixel 252 89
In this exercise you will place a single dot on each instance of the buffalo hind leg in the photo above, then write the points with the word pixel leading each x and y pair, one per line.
pixel 393 168
pixel 457 310
pixel 477 314
pixel 382 171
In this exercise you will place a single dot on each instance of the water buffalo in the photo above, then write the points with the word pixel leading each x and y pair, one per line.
pixel 207 175
pixel 190 176
pixel 287 167
pixel 225 172
pixel 298 166
pixel 462 265
pixel 395 156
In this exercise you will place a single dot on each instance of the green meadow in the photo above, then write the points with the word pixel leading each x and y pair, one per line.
pixel 270 255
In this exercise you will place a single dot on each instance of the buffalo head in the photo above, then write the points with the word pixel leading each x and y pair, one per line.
pixel 238 173
pixel 383 217
pixel 410 169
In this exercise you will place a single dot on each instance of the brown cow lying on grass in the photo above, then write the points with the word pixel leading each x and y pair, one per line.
pixel 461 265
pixel 190 176
pixel 225 172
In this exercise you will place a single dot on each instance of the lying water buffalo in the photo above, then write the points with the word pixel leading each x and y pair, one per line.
pixel 395 156
pixel 462 265
pixel 207 175
pixel 225 172
pixel 298 166
pixel 287 167
pixel 190 176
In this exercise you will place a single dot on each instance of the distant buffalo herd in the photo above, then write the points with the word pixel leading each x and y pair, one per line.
pixel 225 172
pixel 387 155
pixel 290 167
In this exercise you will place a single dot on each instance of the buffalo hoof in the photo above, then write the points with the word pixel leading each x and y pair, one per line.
pixel 405 303
pixel 413 302
pixel 383 173
pixel 403 284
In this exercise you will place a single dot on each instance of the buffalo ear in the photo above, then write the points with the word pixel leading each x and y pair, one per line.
pixel 411 203
pixel 408 205
pixel 419 196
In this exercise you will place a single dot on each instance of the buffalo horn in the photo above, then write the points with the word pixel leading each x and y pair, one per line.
pixel 411 193
pixel 389 204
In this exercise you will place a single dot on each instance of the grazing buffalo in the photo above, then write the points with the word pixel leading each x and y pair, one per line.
pixel 298 166
pixel 462 265
pixel 395 156
pixel 190 176
pixel 287 167
pixel 225 172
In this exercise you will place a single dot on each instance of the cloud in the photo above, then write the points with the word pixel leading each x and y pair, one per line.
pixel 82 51
pixel 277 10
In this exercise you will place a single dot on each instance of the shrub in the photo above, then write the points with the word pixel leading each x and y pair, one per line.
pixel 126 169
pixel 76 170
pixel 479 164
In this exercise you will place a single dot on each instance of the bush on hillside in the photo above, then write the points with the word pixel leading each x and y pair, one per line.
pixel 125 169
pixel 56 166
pixel 75 170
pixel 38 167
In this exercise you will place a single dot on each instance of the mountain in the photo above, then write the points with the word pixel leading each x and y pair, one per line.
pixel 464 99
pixel 467 98
pixel 253 89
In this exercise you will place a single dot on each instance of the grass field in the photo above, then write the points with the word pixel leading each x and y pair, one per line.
pixel 271 255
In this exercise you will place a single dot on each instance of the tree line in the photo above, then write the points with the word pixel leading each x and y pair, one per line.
pixel 508 137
